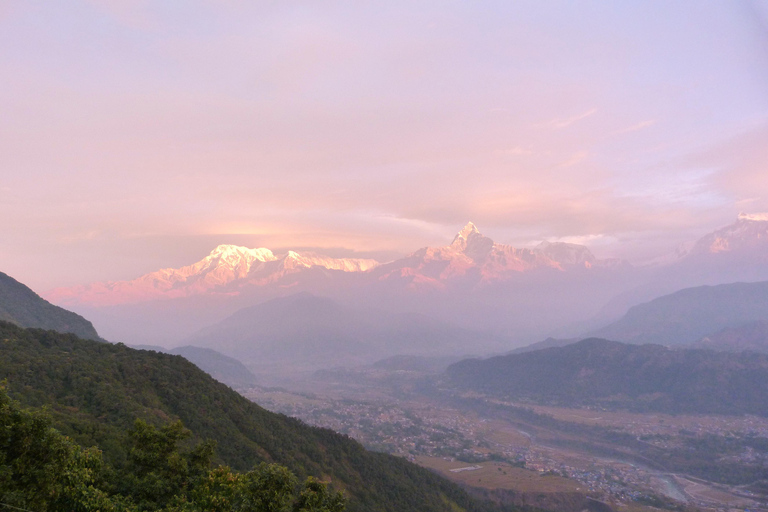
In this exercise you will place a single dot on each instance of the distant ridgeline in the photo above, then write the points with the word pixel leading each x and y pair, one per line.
pixel 602 373
pixel 688 315
pixel 95 392
pixel 21 306
pixel 224 369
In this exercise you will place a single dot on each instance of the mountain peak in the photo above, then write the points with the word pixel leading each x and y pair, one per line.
pixel 468 229
pixel 229 252
pixel 472 243
pixel 749 232
pixel 566 253
pixel 224 249
pixel 463 235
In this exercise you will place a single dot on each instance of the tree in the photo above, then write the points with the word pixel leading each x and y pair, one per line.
pixel 267 488
pixel 157 473
pixel 42 470
pixel 315 497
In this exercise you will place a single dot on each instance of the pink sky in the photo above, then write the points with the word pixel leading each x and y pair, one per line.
pixel 139 135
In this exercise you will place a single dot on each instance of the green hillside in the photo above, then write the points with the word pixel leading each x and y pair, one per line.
pixel 223 368
pixel 610 374
pixel 21 306
pixel 42 470
pixel 95 391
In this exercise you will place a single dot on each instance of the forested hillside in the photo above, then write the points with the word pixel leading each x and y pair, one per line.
pixel 23 307
pixel 610 374
pixel 223 368
pixel 95 391
pixel 43 471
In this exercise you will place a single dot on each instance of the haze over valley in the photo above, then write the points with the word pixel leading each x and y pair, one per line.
pixel 471 297
pixel 408 257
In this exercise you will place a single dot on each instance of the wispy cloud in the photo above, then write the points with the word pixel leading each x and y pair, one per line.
pixel 81 236
pixel 636 127
pixel 591 239
pixel 129 13
pixel 308 124
pixel 566 122
pixel 576 158
pixel 746 201
pixel 516 151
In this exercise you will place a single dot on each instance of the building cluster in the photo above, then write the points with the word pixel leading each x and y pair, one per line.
pixel 413 429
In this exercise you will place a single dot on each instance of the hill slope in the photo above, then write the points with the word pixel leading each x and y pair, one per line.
pixel 306 332
pixel 751 336
pixel 690 314
pixel 96 390
pixel 224 369
pixel 227 370
pixel 23 307
pixel 606 373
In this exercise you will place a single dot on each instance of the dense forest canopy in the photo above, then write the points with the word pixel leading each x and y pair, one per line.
pixel 95 392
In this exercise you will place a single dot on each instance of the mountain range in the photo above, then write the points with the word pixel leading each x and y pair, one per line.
pixel 479 259
pixel 230 268
pixel 519 294
pixel 224 270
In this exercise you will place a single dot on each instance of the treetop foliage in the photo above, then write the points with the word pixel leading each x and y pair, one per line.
pixel 42 470
pixel 94 392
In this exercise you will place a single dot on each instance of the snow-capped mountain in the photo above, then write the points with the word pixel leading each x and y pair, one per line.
pixel 471 254
pixel 474 282
pixel 735 253
pixel 229 269
pixel 224 270
pixel 749 232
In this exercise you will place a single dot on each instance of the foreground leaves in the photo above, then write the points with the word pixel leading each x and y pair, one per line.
pixel 42 470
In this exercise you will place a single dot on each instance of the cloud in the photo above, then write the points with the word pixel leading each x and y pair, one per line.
pixel 739 168
pixel 589 240
pixel 743 203
pixel 79 237
pixel 635 127
pixel 133 14
pixel 338 124
pixel 515 151
pixel 575 159
pixel 566 122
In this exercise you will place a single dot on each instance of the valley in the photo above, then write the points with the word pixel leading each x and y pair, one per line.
pixel 569 424
pixel 540 455
pixel 395 257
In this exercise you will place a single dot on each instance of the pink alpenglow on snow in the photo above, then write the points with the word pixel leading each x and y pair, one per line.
pixel 225 265
pixel 228 269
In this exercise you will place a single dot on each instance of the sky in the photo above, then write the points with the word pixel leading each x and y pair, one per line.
pixel 138 135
